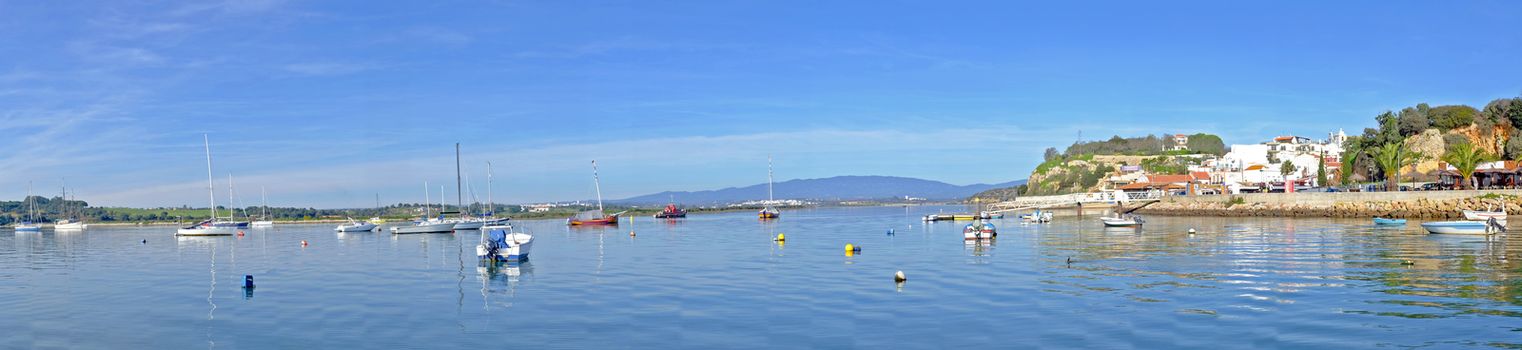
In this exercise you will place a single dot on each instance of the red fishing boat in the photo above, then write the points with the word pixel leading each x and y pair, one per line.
pixel 671 212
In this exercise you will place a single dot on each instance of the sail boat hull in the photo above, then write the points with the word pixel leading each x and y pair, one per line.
pixel 604 221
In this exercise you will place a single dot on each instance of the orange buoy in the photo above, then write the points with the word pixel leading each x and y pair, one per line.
pixel 303 242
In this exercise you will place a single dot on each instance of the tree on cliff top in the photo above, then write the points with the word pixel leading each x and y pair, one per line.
pixel 1465 157
pixel 1207 144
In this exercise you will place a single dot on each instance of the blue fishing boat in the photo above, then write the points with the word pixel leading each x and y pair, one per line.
pixel 1388 221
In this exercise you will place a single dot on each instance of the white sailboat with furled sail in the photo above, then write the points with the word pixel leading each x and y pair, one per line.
pixel 264 211
pixel 427 224
pixel 212 226
pixel 31 214
pixel 594 217
pixel 769 212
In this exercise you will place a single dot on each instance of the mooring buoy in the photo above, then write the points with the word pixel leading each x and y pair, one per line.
pixel 899 276
pixel 248 281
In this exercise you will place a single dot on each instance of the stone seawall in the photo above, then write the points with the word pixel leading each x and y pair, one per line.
pixel 1432 205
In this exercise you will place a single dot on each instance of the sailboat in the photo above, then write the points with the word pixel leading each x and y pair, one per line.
pixel 594 217
pixel 31 212
pixel 70 222
pixel 355 226
pixel 465 222
pixel 498 241
pixel 232 213
pixel 490 220
pixel 769 212
pixel 427 224
pixel 210 227
pixel 264 211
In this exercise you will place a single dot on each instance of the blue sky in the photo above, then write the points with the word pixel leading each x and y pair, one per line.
pixel 328 103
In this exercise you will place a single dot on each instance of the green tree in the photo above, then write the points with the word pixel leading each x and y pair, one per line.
pixel 1390 157
pixel 1452 117
pixel 1350 155
pixel 1207 144
pixel 1465 157
pixel 1321 171
pixel 1051 153
pixel 1413 120
pixel 1286 168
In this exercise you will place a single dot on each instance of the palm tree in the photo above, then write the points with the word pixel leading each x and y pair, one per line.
pixel 1465 157
pixel 1391 157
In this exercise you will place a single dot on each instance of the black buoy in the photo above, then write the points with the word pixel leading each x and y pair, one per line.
pixel 1070 260
pixel 248 281
pixel 145 241
pixel 890 232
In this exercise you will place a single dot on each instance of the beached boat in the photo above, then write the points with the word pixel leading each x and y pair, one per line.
pixel 1482 215
pixel 1128 221
pixel 979 230
pixel 1487 227
pixel 501 244
pixel 769 212
pixel 210 227
pixel 1388 221
pixel 355 226
pixel 594 217
pixel 671 212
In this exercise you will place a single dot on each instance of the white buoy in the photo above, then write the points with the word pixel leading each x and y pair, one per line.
pixel 1191 230
pixel 899 276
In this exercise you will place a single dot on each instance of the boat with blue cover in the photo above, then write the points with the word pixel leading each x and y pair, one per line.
pixel 499 244
pixel 1389 221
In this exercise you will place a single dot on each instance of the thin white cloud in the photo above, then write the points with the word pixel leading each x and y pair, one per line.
pixel 328 68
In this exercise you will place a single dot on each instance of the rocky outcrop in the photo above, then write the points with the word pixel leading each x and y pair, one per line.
pixel 1419 208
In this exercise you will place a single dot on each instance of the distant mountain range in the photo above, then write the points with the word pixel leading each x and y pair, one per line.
pixel 833 188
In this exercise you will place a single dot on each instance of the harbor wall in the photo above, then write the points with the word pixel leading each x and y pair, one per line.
pixel 1413 204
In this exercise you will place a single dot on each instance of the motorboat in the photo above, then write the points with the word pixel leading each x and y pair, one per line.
pixel 355 226
pixel 1466 227
pixel 1127 221
pixel 979 230
pixel 1389 221
pixel 671 212
pixel 1483 215
pixel 1037 217
pixel 501 244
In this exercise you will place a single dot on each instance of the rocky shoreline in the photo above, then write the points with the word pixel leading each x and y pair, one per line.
pixel 1235 206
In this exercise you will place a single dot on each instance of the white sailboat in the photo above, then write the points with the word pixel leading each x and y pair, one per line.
pixel 427 224
pixel 491 221
pixel 769 212
pixel 70 222
pixel 264 211
pixel 355 226
pixel 210 227
pixel 31 213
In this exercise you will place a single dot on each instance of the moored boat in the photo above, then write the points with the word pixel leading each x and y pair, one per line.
pixel 1389 221
pixel 1128 221
pixel 671 212
pixel 210 227
pixel 500 244
pixel 1487 227
pixel 69 225
pixel 594 217
pixel 1483 215
pixel 355 226
pixel 979 230
pixel 769 212
pixel 425 226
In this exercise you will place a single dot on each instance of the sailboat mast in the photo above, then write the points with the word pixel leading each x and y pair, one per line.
pixel 769 179
pixel 490 203
pixel 211 190
pixel 264 200
pixel 459 192
pixel 597 183
pixel 427 201
pixel 31 206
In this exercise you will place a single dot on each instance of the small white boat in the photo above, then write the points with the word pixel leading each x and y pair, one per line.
pixel 1122 222
pixel 1037 217
pixel 355 226
pixel 26 226
pixel 262 223
pixel 69 225
pixel 1478 215
pixel 1487 227
pixel 503 245
pixel 979 230
pixel 430 226
pixel 469 224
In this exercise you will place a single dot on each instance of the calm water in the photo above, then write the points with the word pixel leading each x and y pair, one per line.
pixel 717 281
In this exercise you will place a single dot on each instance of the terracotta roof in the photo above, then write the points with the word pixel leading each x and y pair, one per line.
pixel 1136 186
pixel 1169 178
pixel 1200 175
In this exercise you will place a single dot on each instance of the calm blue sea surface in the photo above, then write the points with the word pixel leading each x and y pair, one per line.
pixel 718 281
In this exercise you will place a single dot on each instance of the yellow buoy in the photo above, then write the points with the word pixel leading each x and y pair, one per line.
pixel 850 248
pixel 780 237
